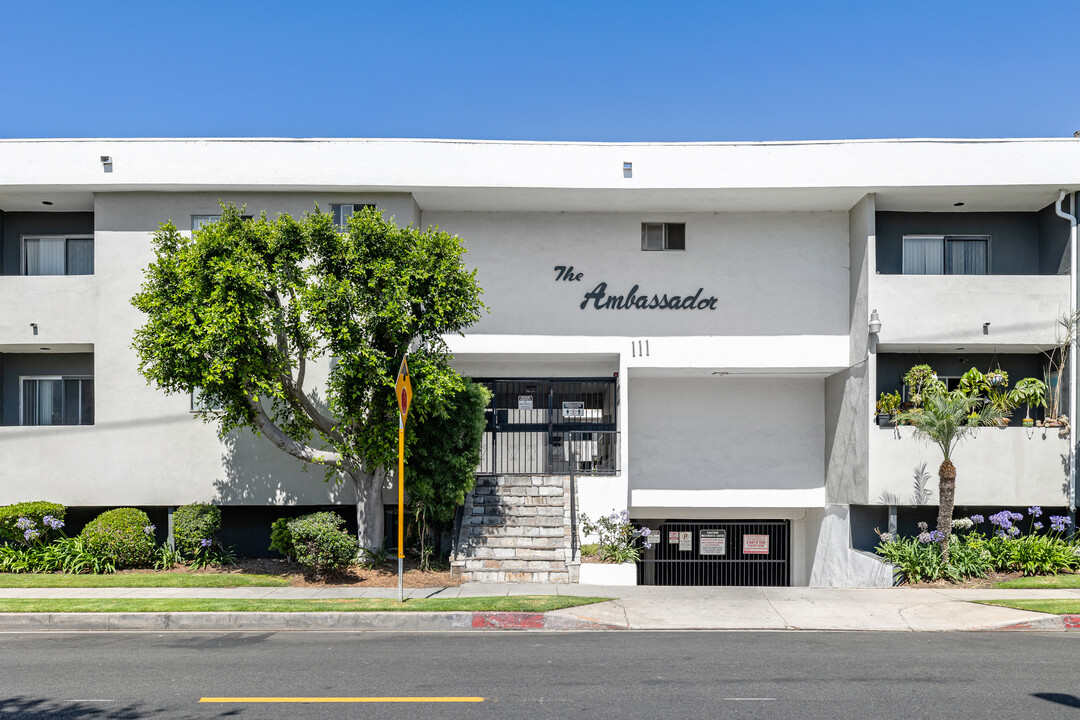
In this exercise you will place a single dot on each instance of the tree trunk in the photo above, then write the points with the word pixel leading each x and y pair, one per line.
pixel 370 521
pixel 946 498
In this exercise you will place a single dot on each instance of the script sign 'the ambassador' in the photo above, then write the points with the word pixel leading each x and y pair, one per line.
pixel 599 298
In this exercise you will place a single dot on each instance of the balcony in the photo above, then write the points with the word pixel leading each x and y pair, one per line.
pixel 952 310
pixel 1009 467
pixel 63 308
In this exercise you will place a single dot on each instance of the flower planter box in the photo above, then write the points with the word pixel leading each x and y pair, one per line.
pixel 608 574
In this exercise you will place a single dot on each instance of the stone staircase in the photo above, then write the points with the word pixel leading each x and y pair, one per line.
pixel 517 529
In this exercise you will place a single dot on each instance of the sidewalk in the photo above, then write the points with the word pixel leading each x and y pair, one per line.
pixel 630 608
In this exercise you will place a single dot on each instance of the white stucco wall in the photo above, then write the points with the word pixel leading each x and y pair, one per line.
pixel 1021 309
pixel 764 269
pixel 1009 467
pixel 726 442
pixel 145 448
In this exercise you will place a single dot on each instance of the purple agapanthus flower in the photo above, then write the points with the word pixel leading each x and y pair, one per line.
pixel 1002 519
pixel 977 519
pixel 1014 531
pixel 1035 511
pixel 1058 522
pixel 52 522
pixel 922 527
pixel 31 534
pixel 1038 526
pixel 925 537
pixel 24 523
pixel 206 542
pixel 149 529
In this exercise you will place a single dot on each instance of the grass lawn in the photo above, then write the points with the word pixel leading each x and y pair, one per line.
pixel 1054 607
pixel 139 580
pixel 1042 582
pixel 523 603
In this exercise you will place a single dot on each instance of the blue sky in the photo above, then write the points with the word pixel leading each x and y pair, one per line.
pixel 515 70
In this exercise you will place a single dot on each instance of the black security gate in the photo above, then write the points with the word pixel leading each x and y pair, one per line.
pixel 554 426
pixel 718 552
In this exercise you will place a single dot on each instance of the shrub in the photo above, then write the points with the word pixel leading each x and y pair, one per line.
pixel 68 555
pixel 34 511
pixel 319 545
pixel 281 539
pixel 915 561
pixel 616 537
pixel 194 527
pixel 123 537
pixel 973 554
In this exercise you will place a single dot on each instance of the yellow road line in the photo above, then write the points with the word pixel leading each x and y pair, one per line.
pixel 340 699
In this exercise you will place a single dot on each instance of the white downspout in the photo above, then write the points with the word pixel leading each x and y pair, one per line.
pixel 1072 350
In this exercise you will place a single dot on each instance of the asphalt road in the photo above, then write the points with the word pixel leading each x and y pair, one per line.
pixel 542 675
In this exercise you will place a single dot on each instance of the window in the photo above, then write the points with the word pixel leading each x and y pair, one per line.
pixel 58 255
pixel 199 402
pixel 663 236
pixel 342 213
pixel 197 221
pixel 946 255
pixel 57 400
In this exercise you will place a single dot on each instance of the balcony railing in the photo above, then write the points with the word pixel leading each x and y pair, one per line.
pixel 999 466
pixel 969 309
pixel 551 427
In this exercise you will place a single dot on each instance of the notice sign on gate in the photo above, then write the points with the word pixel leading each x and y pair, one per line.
pixel 686 541
pixel 525 402
pixel 573 409
pixel 755 544
pixel 673 537
pixel 713 542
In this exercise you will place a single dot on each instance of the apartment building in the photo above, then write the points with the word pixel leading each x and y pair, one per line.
pixel 694 333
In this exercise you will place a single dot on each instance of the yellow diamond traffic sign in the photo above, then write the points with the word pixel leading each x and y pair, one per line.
pixel 403 389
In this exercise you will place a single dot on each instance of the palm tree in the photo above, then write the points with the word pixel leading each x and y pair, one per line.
pixel 944 420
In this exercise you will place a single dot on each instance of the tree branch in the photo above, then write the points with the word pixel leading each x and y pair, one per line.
pixel 276 435
pixel 295 387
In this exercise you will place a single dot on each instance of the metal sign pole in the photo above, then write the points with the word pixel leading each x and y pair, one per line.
pixel 403 391
pixel 401 512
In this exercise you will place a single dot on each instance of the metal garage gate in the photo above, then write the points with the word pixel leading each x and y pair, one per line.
pixel 743 553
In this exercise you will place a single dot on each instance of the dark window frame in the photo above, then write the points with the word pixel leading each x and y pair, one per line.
pixel 672 237
pixel 945 240
pixel 24 266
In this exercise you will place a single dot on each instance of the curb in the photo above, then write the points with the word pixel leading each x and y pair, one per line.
pixel 294 621
pixel 1058 623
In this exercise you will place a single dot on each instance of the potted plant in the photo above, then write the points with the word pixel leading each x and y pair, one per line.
pixel 918 380
pixel 887 405
pixel 974 383
pixel 615 561
pixel 1030 392
pixel 999 396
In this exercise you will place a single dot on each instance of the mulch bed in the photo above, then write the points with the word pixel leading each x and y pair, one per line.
pixel 987 582
pixel 382 576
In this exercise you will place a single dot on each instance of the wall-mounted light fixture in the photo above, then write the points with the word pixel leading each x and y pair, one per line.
pixel 628 169
pixel 106 163
pixel 875 323
pixel 34 327
pixel 986 328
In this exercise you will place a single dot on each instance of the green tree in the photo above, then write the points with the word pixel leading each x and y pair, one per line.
pixel 240 309
pixel 443 459
pixel 944 420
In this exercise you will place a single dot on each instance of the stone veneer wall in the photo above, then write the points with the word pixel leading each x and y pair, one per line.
pixel 518 529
